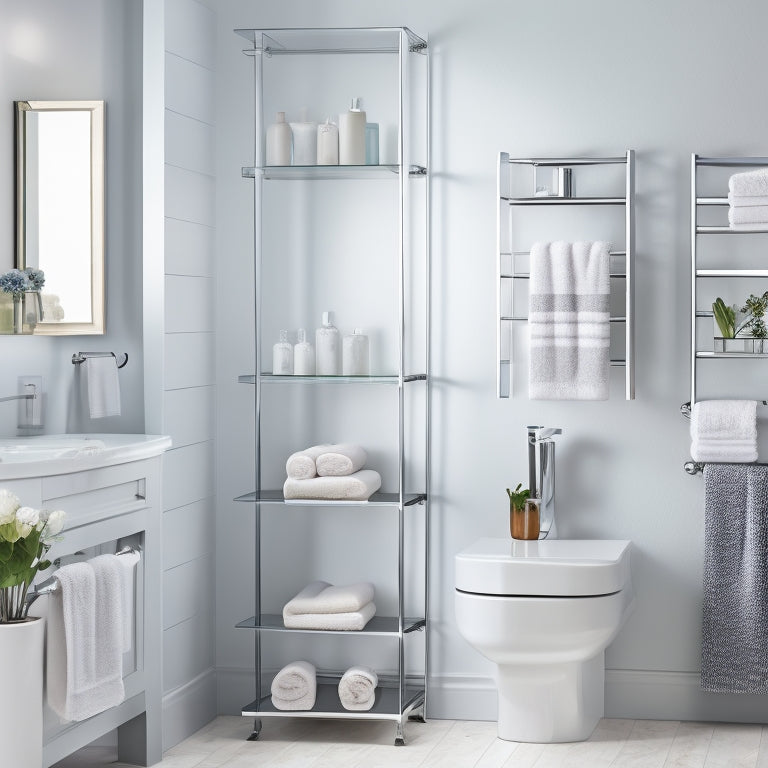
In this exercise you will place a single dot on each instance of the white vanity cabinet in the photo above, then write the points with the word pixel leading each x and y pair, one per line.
pixel 112 498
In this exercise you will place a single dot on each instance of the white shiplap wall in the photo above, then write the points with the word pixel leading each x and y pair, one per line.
pixel 189 375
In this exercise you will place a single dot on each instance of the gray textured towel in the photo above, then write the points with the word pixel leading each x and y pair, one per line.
pixel 734 647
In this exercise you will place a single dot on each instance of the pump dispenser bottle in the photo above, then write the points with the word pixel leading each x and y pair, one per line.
pixel 303 356
pixel 282 356
pixel 328 348
pixel 352 135
pixel 279 142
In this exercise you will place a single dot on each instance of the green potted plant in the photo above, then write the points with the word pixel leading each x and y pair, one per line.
pixel 757 306
pixel 731 324
pixel 523 514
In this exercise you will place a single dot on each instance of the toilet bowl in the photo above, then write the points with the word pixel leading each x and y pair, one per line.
pixel 544 613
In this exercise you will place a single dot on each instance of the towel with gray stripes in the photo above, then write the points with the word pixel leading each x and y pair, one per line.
pixel 569 321
pixel 734 652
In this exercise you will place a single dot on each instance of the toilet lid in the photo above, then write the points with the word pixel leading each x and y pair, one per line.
pixel 556 568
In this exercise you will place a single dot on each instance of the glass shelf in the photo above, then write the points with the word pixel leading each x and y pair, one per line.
pixel 284 42
pixel 378 499
pixel 378 625
pixel 270 377
pixel 564 200
pixel 329 172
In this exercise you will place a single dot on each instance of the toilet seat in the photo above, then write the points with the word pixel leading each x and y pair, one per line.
pixel 548 568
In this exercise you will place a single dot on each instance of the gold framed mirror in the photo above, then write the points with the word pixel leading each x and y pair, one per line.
pixel 60 210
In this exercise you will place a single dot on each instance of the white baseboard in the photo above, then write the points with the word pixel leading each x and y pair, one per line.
pixel 188 708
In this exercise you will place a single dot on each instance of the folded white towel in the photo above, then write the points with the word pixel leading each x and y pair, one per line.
pixel 756 227
pixel 103 386
pixel 127 563
pixel 352 621
pixel 294 687
pixel 724 430
pixel 753 214
pixel 322 597
pixel 301 465
pixel 569 321
pixel 746 201
pixel 715 451
pixel 749 184
pixel 357 688
pixel 342 459
pixel 359 486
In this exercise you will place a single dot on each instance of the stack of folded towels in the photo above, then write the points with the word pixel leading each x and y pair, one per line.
pixel 320 605
pixel 357 688
pixel 748 200
pixel 295 686
pixel 724 431
pixel 330 473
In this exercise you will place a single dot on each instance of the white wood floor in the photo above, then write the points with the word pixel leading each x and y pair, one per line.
pixel 295 743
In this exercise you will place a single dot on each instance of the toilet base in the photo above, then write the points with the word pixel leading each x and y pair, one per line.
pixel 548 703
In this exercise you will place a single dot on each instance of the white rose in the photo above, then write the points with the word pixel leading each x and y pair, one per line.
pixel 26 519
pixel 54 523
pixel 9 503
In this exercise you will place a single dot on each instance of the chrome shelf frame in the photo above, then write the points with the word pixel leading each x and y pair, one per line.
pixel 378 626
pixel 400 695
pixel 505 364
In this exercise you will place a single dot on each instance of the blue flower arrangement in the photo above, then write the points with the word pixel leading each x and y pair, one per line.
pixel 18 281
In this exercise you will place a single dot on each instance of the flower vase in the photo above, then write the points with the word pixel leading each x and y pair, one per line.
pixel 27 312
pixel 21 703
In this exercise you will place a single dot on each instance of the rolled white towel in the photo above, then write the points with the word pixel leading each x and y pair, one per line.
pixel 301 465
pixel 746 201
pixel 753 214
pixel 357 688
pixel 342 459
pixel 749 184
pixel 353 621
pixel 294 687
pixel 359 486
pixel 322 597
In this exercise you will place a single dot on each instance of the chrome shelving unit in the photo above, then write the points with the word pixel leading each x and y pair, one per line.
pixel 402 692
pixel 697 230
pixel 505 252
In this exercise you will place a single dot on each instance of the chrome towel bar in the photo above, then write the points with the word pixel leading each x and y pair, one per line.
pixel 81 357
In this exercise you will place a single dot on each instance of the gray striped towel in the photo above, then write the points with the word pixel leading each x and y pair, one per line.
pixel 569 321
pixel 734 651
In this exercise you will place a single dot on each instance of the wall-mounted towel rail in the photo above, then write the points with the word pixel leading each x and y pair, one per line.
pixel 506 255
pixel 685 408
pixel 81 357
pixel 694 467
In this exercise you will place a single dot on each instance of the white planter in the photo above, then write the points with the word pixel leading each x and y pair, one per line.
pixel 21 701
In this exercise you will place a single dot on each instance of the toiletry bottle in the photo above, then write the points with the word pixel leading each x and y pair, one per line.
pixel 327 143
pixel 303 356
pixel 355 355
pixel 371 143
pixel 279 142
pixel 328 348
pixel 304 141
pixel 282 356
pixel 352 135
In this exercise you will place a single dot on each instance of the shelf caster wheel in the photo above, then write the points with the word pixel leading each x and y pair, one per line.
pixel 399 735
pixel 256 730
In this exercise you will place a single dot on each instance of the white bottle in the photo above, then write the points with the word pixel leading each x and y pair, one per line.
pixel 356 360
pixel 328 348
pixel 327 143
pixel 279 142
pixel 304 141
pixel 352 135
pixel 282 356
pixel 303 356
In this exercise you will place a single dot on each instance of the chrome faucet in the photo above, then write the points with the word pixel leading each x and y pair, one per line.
pixel 541 474
pixel 30 415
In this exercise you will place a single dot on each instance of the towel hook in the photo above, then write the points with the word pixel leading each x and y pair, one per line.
pixel 81 357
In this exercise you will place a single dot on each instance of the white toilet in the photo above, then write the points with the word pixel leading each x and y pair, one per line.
pixel 544 613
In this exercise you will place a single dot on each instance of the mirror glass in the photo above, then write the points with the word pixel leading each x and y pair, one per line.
pixel 60 210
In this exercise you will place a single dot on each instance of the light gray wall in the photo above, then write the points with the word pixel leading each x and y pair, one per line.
pixel 84 49
pixel 595 77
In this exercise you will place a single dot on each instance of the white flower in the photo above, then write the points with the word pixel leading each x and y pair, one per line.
pixel 26 519
pixel 9 503
pixel 54 523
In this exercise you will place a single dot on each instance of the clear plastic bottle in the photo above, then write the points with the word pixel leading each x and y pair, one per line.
pixel 279 142
pixel 282 356
pixel 303 356
pixel 328 348
pixel 355 355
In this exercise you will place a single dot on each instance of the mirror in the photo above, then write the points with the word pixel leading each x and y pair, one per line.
pixel 60 210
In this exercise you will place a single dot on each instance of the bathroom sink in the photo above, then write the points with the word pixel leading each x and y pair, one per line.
pixel 23 449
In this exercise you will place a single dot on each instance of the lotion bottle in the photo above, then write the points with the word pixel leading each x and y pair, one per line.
pixel 282 356
pixel 352 135
pixel 327 143
pixel 303 356
pixel 279 142
pixel 328 348
pixel 304 141
pixel 355 355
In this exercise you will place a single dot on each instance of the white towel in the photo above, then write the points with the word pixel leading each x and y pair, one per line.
pixel 746 201
pixel 301 465
pixel 724 430
pixel 357 688
pixel 343 459
pixel 127 563
pixel 359 486
pixel 569 321
pixel 749 184
pixel 753 214
pixel 322 597
pixel 84 643
pixel 103 386
pixel 294 687
pixel 352 621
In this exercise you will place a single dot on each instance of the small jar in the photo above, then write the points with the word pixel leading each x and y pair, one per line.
pixel 524 522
